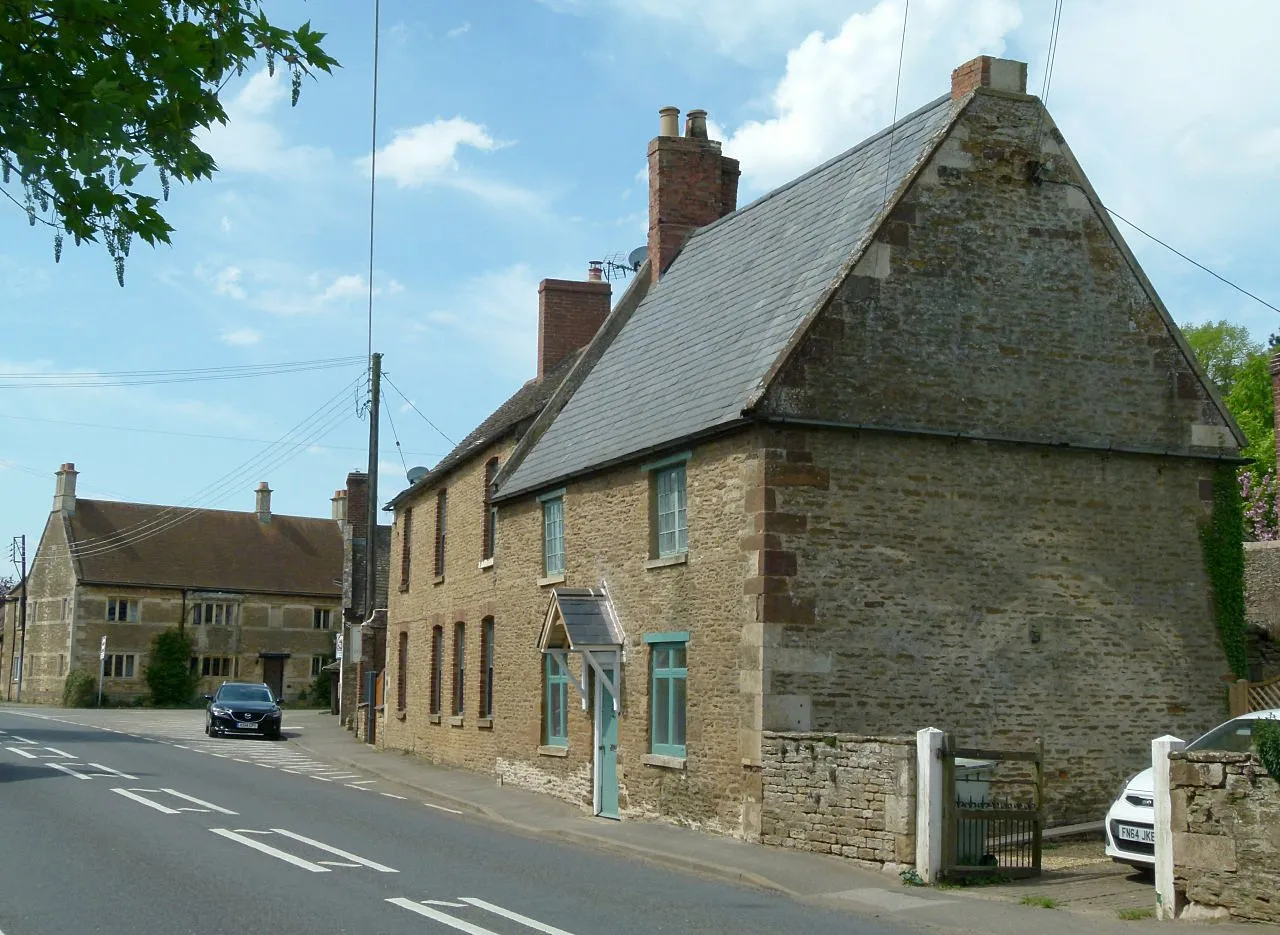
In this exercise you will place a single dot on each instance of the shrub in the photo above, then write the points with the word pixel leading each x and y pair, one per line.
pixel 80 690
pixel 168 670
pixel 1266 737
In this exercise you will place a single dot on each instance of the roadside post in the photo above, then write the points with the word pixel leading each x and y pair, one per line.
pixel 102 663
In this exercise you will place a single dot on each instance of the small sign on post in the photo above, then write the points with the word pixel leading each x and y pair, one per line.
pixel 337 645
pixel 102 667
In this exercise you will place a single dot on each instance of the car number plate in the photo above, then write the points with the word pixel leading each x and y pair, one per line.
pixel 1133 833
pixel 252 724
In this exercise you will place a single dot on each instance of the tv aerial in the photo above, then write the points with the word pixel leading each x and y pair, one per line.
pixel 616 266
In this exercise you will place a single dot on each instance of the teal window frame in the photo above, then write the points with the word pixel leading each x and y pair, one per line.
pixel 672 510
pixel 555 717
pixel 552 534
pixel 668 693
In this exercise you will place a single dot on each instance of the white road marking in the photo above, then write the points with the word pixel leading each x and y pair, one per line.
pixel 336 863
pixel 181 747
pixel 443 902
pixel 322 779
pixel 514 916
pixel 68 770
pixel 22 739
pixel 373 865
pixel 113 772
pixel 63 753
pixel 362 782
pixel 192 798
pixel 29 756
pixel 352 785
pixel 442 808
pixel 268 849
pixel 391 796
pixel 143 800
pixel 285 770
pixel 342 775
pixel 439 916
pixel 223 755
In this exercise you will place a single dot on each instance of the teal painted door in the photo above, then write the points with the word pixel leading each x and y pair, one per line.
pixel 606 750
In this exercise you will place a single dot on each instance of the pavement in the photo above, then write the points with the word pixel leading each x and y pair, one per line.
pixel 1081 891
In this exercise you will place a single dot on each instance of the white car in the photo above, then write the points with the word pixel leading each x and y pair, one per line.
pixel 1130 825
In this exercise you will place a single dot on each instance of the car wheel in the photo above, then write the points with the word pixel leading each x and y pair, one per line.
pixel 273 734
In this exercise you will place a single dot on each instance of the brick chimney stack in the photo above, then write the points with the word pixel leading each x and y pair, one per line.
pixel 263 505
pixel 357 497
pixel 569 315
pixel 64 491
pixel 1000 74
pixel 691 184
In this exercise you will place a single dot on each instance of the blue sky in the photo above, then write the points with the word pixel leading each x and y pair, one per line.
pixel 511 138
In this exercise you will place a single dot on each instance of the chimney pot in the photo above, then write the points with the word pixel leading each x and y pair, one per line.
pixel 669 121
pixel 595 271
pixel 64 491
pixel 263 505
pixel 695 125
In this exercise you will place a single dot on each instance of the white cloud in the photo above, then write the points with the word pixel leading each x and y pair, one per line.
pixel 427 153
pixel 225 224
pixel 241 337
pixel 227 282
pixel 459 30
pixel 839 89
pixel 250 141
pixel 345 287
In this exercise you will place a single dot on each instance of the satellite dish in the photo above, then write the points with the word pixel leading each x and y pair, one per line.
pixel 417 473
pixel 637 257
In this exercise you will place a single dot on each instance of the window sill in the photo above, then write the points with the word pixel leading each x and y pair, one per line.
pixel 663 761
pixel 401 714
pixel 404 587
pixel 439 579
pixel 485 563
pixel 681 559
pixel 484 723
pixel 433 719
pixel 457 720
pixel 551 579
pixel 552 750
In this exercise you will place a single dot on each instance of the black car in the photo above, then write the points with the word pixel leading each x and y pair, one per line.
pixel 243 708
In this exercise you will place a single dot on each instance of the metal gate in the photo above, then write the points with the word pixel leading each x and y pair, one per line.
pixel 993 811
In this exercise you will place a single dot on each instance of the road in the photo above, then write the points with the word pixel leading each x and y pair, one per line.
pixel 165 831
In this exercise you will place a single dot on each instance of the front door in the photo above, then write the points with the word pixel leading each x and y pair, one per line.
pixel 273 674
pixel 606 748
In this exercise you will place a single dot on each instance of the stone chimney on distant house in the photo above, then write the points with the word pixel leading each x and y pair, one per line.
pixel 691 184
pixel 570 313
pixel 339 501
pixel 263 505
pixel 64 491
pixel 1000 74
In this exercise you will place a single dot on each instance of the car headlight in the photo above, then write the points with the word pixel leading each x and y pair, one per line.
pixel 219 710
pixel 275 712
pixel 1124 787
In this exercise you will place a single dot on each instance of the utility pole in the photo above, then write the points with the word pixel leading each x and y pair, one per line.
pixel 18 553
pixel 371 537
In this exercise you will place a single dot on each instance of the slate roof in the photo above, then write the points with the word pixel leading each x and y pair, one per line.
pixel 587 617
pixel 706 336
pixel 209 550
pixel 523 405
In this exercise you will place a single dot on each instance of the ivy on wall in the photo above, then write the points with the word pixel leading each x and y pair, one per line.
pixel 1222 539
pixel 1266 737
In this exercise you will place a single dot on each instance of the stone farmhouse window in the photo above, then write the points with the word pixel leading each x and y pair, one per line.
pixel 552 533
pixel 118 665
pixel 215 666
pixel 459 668
pixel 402 672
pixel 320 618
pixel 555 703
pixel 437 668
pixel 668 507
pixel 318 663
pixel 212 613
pixel 486 667
pixel 490 531
pixel 667 694
pixel 442 509
pixel 406 548
pixel 122 610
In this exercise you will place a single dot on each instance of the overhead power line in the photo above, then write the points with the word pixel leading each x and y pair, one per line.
pixel 419 411
pixel 148 378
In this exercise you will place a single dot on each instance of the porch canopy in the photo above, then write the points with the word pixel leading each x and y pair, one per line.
pixel 584 621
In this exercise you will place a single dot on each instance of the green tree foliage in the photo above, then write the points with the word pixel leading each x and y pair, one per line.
pixel 1253 405
pixel 96 93
pixel 1266 737
pixel 168 671
pixel 1222 349
pixel 80 690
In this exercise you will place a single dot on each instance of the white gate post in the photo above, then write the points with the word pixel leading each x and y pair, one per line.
pixel 929 794
pixel 1167 907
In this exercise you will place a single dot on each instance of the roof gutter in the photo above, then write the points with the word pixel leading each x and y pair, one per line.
pixel 1221 457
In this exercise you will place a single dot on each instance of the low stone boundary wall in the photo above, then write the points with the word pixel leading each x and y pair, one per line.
pixel 1225 813
pixel 842 794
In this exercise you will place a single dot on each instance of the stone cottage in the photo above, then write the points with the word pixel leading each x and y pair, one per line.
pixel 257 593
pixel 909 441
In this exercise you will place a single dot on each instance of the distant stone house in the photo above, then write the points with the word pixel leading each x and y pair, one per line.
pixel 257 593
pixel 910 441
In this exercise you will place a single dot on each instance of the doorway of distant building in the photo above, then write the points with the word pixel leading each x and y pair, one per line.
pixel 273 672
